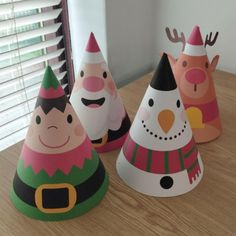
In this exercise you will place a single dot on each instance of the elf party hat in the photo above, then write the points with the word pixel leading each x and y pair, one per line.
pixel 159 156
pixel 193 73
pixel 59 175
pixel 97 102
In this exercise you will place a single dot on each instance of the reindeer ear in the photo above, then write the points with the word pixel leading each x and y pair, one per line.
pixel 214 62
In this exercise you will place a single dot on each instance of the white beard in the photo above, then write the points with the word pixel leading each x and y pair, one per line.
pixel 97 121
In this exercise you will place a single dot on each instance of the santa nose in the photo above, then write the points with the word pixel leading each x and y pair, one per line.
pixel 196 76
pixel 93 84
pixel 166 119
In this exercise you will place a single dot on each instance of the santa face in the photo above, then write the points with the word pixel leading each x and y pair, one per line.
pixel 161 123
pixel 55 132
pixel 93 95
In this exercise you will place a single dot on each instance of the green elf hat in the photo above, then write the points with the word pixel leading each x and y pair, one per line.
pixel 59 174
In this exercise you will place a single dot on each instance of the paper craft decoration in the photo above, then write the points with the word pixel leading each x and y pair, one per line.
pixel 193 74
pixel 97 102
pixel 160 157
pixel 59 174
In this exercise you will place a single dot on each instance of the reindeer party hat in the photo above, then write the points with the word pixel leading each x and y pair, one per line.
pixel 159 156
pixel 193 74
pixel 97 102
pixel 59 174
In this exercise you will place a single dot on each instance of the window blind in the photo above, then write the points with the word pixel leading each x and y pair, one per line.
pixel 30 39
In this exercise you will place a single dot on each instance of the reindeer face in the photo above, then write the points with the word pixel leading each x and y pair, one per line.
pixel 193 75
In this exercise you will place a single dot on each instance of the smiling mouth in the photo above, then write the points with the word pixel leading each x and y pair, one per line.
pixel 161 137
pixel 49 146
pixel 93 103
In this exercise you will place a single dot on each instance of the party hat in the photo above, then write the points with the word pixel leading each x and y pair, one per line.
pixel 193 73
pixel 59 175
pixel 97 103
pixel 159 156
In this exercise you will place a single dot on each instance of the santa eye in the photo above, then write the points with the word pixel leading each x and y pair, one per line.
pixel 184 63
pixel 69 119
pixel 206 65
pixel 81 73
pixel 150 102
pixel 178 103
pixel 38 120
pixel 104 74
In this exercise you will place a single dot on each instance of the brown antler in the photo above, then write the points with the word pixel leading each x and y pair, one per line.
pixel 176 38
pixel 209 41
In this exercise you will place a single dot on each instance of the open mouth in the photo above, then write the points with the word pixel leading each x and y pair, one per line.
pixel 166 137
pixel 49 146
pixel 93 103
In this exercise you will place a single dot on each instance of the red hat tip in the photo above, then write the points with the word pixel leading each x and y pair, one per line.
pixel 195 37
pixel 92 45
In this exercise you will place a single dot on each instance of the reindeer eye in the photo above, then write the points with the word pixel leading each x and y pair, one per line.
pixel 104 75
pixel 206 65
pixel 184 63
pixel 81 73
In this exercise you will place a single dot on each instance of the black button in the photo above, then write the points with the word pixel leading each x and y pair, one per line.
pixel 166 182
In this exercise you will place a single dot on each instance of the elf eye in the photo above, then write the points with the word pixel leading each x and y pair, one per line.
pixel 81 73
pixel 184 63
pixel 206 65
pixel 104 74
pixel 178 103
pixel 69 119
pixel 38 120
pixel 150 102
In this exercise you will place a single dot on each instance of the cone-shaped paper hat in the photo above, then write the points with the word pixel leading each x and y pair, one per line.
pixel 193 74
pixel 97 103
pixel 159 156
pixel 59 174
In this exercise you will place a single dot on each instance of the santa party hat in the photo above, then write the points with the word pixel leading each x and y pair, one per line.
pixel 193 74
pixel 59 175
pixel 97 103
pixel 195 45
pixel 159 156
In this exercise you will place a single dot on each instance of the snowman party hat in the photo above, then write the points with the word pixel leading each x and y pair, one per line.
pixel 159 156
pixel 59 175
pixel 97 103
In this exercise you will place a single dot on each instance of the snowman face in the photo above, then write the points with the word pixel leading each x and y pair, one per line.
pixel 161 123
pixel 55 132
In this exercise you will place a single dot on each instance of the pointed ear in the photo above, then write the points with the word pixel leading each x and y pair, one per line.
pixel 214 62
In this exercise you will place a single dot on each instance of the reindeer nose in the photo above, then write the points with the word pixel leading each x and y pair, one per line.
pixel 196 76
pixel 93 84
pixel 166 119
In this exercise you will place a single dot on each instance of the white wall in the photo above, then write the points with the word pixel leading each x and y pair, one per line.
pixel 210 15
pixel 86 16
pixel 130 38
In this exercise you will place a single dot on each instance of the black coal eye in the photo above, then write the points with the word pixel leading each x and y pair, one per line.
pixel 150 102
pixel 178 103
pixel 184 63
pixel 38 120
pixel 206 64
pixel 69 119
pixel 81 73
pixel 104 74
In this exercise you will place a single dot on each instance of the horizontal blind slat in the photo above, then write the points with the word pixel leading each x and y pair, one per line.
pixel 26 5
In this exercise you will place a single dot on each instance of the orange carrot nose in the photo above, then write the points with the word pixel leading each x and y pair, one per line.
pixel 166 119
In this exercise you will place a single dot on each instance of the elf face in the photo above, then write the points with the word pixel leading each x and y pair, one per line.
pixel 55 132
pixel 161 123
pixel 93 93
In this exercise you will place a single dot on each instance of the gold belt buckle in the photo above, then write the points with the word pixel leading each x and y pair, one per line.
pixel 39 197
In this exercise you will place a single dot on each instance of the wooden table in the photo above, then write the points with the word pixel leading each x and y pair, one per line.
pixel 210 209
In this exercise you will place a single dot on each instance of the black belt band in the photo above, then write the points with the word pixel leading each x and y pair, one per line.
pixel 83 191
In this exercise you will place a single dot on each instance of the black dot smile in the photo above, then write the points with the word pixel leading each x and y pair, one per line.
pixel 90 102
pixel 161 137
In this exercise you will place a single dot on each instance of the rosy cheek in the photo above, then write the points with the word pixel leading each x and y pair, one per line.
pixel 111 88
pixel 143 114
pixel 79 131
pixel 78 84
pixel 183 116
